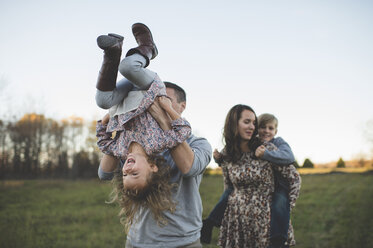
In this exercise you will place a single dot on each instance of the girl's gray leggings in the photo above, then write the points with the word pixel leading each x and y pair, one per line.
pixel 136 77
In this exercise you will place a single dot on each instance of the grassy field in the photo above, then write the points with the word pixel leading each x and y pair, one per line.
pixel 334 210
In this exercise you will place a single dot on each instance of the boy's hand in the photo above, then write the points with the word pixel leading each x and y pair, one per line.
pixel 217 156
pixel 260 151
pixel 105 119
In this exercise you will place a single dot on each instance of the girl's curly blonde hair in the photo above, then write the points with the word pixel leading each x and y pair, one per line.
pixel 156 195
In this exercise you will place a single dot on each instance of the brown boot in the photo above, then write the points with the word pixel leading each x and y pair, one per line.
pixel 112 46
pixel 145 41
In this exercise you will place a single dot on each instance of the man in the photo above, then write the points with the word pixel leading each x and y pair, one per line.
pixel 188 161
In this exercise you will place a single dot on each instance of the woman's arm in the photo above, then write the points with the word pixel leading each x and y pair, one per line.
pixel 293 177
pixel 227 181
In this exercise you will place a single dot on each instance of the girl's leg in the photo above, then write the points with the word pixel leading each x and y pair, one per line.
pixel 132 68
pixel 112 46
pixel 107 99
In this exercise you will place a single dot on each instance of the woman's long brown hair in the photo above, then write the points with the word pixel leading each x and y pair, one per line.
pixel 231 137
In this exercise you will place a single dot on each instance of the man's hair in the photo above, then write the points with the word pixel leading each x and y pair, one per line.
pixel 180 93
pixel 266 118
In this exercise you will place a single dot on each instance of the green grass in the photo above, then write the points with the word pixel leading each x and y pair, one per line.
pixel 58 214
pixel 334 210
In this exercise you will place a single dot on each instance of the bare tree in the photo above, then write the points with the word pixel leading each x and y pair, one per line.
pixel 27 139
pixel 368 133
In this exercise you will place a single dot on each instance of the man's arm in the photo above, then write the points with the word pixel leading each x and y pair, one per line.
pixel 182 154
pixel 107 167
pixel 108 163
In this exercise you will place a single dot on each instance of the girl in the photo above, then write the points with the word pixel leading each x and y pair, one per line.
pixel 138 139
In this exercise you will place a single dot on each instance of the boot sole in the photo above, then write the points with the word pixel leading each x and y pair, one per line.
pixel 107 41
pixel 155 53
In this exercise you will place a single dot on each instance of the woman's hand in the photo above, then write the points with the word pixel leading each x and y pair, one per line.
pixel 260 151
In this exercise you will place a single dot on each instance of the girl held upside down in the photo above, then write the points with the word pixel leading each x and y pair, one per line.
pixel 139 139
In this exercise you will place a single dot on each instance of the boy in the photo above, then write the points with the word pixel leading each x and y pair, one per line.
pixel 280 209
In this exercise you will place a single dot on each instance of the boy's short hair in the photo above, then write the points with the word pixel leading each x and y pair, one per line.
pixel 266 118
pixel 180 93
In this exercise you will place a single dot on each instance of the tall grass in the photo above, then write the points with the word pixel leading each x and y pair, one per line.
pixel 334 210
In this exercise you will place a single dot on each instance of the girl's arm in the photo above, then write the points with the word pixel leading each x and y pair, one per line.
pixel 105 143
pixel 166 104
pixel 163 113
pixel 180 130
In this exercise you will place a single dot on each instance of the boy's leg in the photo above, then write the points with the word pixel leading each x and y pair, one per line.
pixel 133 66
pixel 280 216
pixel 215 217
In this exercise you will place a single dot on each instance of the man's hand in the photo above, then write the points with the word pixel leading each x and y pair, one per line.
pixel 109 163
pixel 260 151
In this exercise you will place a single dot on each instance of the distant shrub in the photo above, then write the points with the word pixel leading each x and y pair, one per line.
pixel 296 164
pixel 307 163
pixel 341 163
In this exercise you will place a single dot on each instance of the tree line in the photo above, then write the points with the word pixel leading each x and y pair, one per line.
pixel 38 147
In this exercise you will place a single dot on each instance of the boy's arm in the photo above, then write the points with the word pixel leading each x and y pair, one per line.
pixel 282 156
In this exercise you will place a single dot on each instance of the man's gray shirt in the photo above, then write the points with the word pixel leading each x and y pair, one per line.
pixel 184 225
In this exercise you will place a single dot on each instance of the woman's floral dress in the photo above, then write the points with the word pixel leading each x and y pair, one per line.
pixel 246 221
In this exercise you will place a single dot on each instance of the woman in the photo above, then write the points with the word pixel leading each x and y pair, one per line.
pixel 246 221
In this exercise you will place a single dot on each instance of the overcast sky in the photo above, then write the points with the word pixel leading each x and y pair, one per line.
pixel 308 62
